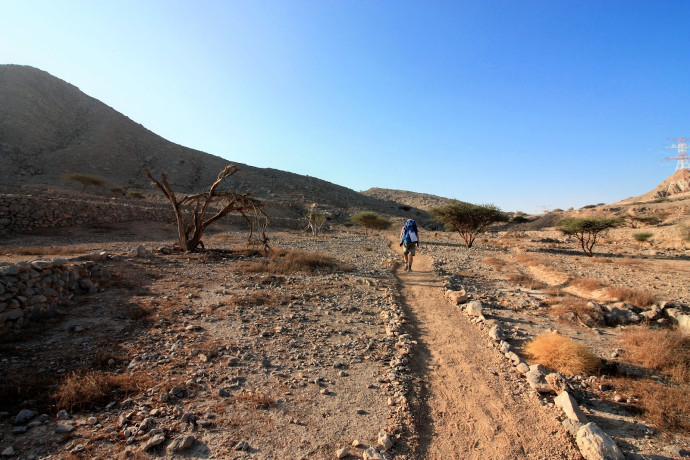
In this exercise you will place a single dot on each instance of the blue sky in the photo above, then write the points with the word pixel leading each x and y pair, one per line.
pixel 525 104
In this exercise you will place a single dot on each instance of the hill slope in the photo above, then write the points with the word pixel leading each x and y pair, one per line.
pixel 423 201
pixel 49 128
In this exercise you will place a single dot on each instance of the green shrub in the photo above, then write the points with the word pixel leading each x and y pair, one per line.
pixel 643 236
pixel 370 220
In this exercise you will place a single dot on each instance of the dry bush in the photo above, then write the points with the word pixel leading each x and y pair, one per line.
pixel 666 406
pixel 633 296
pixel 257 399
pixel 562 354
pixel 84 390
pixel 282 261
pixel 526 281
pixel 529 260
pixel 665 351
pixel 586 284
pixel 257 298
pixel 494 262
pixel 555 291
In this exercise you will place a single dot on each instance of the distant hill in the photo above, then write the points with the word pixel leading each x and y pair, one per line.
pixel 675 185
pixel 423 201
pixel 49 128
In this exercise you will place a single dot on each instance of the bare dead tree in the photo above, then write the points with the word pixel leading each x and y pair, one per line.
pixel 191 210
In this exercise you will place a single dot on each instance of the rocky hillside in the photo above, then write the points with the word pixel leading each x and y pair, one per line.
pixel 423 201
pixel 677 185
pixel 49 128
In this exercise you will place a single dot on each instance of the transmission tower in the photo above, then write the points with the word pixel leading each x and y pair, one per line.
pixel 682 158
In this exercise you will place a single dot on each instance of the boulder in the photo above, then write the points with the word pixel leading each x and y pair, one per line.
pixel 595 444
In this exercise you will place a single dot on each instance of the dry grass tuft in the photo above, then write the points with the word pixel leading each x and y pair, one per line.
pixel 282 261
pixel 562 354
pixel 632 296
pixel 257 399
pixel 665 351
pixel 526 281
pixel 82 391
pixel 529 260
pixel 586 284
pixel 494 262
pixel 666 406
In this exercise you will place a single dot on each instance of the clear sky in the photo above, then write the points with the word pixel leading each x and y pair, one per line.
pixel 525 104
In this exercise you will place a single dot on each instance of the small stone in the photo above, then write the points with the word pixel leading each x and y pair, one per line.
pixel 64 428
pixel 385 440
pixel 181 443
pixel 25 416
pixel 242 446
pixel 155 441
pixel 372 454
pixel 523 368
pixel 356 443
pixel 573 426
pixel 63 415
pixel 341 453
pixel 92 420
pixel 8 452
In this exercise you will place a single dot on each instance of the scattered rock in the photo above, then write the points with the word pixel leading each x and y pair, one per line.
pixel 181 443
pixel 595 444
pixel 342 453
pixel 154 441
pixel 566 402
pixel 385 440
pixel 24 416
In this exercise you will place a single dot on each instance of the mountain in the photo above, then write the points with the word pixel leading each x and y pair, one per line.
pixel 49 128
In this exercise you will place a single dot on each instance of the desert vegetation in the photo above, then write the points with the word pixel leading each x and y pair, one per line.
pixel 85 180
pixel 370 221
pixel 468 219
pixel 587 231
pixel 190 211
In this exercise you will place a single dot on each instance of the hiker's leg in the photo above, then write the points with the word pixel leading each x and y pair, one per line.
pixel 409 261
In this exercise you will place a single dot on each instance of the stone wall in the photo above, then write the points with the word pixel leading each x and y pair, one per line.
pixel 25 213
pixel 33 290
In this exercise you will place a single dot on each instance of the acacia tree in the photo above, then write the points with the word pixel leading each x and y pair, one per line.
pixel 85 180
pixel 191 210
pixel 370 220
pixel 587 230
pixel 469 219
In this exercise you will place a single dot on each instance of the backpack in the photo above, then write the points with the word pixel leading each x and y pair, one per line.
pixel 410 232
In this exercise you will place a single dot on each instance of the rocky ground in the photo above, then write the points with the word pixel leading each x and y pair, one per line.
pixel 221 355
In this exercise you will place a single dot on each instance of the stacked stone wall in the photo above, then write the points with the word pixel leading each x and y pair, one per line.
pixel 26 213
pixel 33 290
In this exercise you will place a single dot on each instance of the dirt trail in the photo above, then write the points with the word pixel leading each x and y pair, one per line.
pixel 475 407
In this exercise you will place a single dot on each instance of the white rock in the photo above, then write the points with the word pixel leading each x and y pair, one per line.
pixel 566 402
pixel 594 444
pixel 474 308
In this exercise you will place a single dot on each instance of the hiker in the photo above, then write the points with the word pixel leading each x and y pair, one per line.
pixel 409 240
